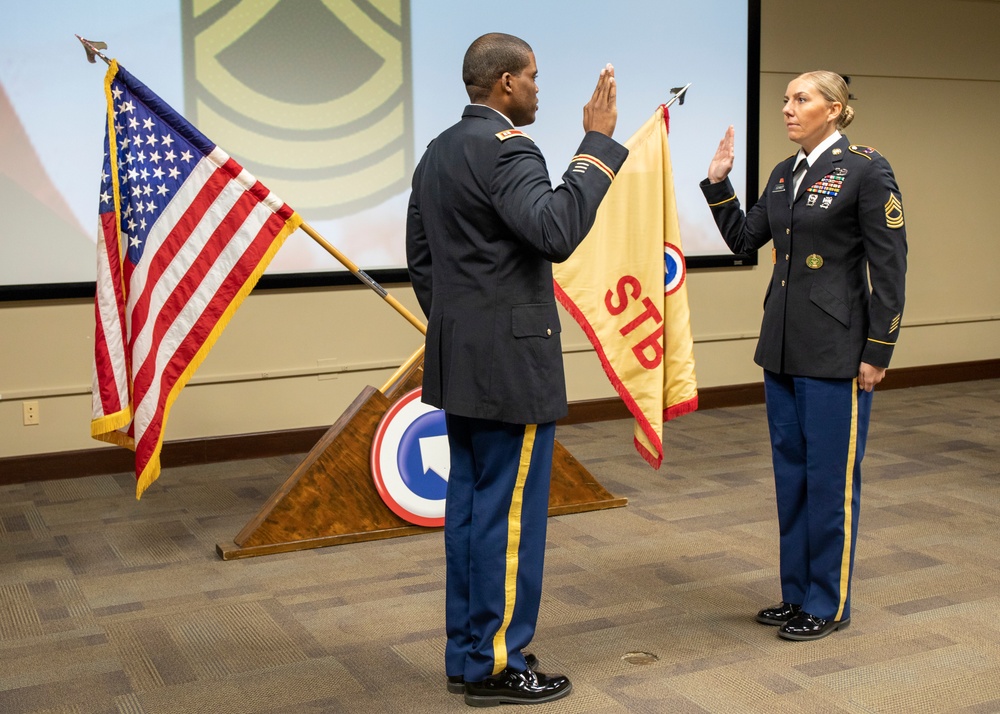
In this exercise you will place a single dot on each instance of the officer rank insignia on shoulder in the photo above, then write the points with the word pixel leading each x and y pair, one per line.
pixel 866 151
pixel 893 212
pixel 511 133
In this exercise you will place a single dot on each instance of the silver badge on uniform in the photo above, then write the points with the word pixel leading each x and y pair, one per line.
pixel 827 200
pixel 811 201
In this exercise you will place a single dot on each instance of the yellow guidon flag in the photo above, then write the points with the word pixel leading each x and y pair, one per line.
pixel 625 286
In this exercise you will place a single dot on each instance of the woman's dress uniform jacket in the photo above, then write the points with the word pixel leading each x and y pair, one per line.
pixel 845 222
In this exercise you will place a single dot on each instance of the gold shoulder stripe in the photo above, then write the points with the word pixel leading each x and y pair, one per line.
pixel 511 133
pixel 731 198
pixel 584 159
pixel 860 150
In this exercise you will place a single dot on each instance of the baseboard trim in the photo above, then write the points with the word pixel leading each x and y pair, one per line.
pixel 188 452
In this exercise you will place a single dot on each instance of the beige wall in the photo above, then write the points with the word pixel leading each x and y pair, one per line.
pixel 927 80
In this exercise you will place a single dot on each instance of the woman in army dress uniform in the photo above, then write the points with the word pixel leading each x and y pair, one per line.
pixel 834 215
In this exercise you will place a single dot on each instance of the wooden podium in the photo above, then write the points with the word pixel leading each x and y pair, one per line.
pixel 331 498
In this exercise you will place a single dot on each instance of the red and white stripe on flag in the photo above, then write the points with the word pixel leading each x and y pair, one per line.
pixel 184 234
pixel 625 286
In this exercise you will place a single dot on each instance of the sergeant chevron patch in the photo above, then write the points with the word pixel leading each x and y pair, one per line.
pixel 339 141
pixel 893 212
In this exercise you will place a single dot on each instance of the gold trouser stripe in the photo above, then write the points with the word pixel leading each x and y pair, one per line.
pixel 513 545
pixel 852 450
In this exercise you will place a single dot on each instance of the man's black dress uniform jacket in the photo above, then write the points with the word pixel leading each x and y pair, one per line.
pixel 483 227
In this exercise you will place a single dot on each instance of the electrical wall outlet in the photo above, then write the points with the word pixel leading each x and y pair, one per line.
pixel 29 411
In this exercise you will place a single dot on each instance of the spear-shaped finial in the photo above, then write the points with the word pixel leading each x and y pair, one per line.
pixel 93 48
pixel 678 93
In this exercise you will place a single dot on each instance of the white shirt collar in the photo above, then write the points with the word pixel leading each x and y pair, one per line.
pixel 498 112
pixel 818 151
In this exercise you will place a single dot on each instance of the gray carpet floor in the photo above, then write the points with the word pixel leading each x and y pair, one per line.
pixel 117 606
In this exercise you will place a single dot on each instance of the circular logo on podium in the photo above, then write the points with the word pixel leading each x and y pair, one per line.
pixel 410 460
pixel 673 268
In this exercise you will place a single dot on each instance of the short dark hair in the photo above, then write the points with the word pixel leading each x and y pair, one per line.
pixel 488 57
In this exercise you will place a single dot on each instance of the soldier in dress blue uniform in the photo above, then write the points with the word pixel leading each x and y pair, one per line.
pixel 483 228
pixel 834 215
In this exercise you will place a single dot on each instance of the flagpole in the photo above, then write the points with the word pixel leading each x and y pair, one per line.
pixel 93 48
pixel 364 277
pixel 405 367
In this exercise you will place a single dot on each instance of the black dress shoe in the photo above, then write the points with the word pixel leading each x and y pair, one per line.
pixel 512 687
pixel 804 627
pixel 456 682
pixel 778 614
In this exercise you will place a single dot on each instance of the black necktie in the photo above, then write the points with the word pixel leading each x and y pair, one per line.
pixel 799 170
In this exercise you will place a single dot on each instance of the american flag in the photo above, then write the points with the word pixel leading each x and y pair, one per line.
pixel 184 234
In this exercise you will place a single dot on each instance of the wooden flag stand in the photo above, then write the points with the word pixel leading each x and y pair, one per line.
pixel 331 499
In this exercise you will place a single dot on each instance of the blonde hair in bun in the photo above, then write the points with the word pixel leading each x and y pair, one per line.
pixel 834 89
pixel 846 117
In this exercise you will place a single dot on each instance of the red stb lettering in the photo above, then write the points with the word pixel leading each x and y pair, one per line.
pixel 653 343
pixel 626 281
pixel 649 350
pixel 650 313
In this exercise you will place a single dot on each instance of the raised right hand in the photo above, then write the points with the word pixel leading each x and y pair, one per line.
pixel 722 162
pixel 601 112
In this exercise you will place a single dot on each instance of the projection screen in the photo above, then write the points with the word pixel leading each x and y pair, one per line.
pixel 331 103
